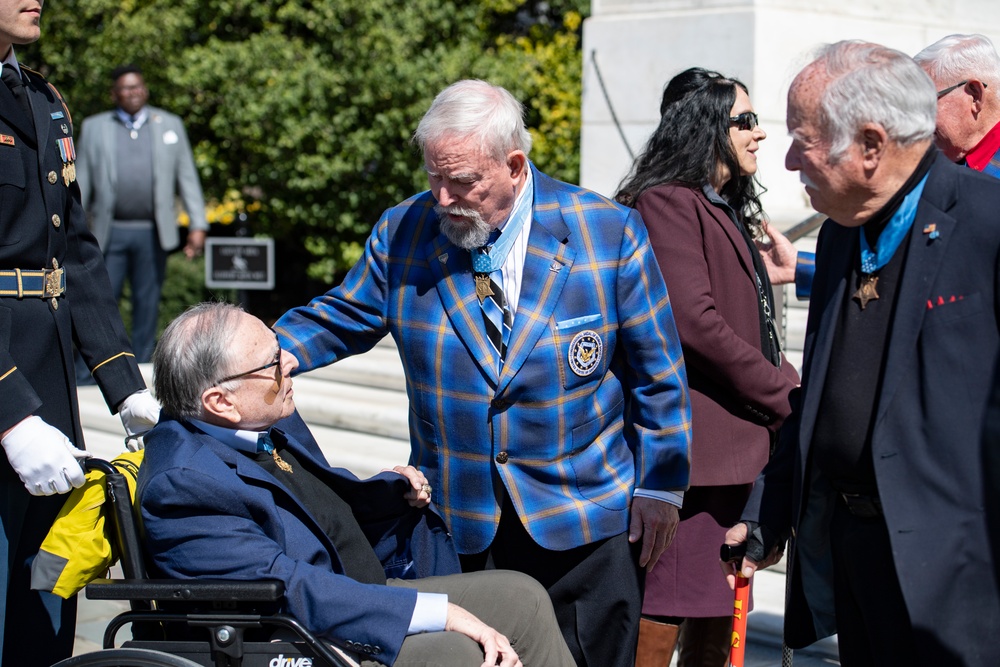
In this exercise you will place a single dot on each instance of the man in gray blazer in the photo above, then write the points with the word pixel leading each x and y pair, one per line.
pixel 131 163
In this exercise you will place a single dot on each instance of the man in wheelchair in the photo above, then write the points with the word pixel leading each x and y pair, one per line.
pixel 233 486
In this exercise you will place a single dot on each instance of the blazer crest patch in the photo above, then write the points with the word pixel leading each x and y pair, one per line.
pixel 585 352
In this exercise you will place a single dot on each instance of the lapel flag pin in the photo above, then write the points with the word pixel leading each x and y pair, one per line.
pixel 932 231
pixel 56 115
pixel 6 140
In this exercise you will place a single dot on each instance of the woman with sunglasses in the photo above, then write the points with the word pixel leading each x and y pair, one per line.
pixel 695 186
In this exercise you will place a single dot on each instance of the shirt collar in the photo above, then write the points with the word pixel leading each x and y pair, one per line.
pixel 984 151
pixel 524 199
pixel 140 118
pixel 240 440
pixel 11 61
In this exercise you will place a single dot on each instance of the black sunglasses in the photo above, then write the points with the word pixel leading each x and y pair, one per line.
pixel 745 121
pixel 276 364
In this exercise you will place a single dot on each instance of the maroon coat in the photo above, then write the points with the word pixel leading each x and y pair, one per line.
pixel 737 396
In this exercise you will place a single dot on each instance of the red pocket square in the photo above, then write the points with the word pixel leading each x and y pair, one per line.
pixel 941 301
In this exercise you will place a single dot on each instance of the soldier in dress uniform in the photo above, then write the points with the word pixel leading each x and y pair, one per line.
pixel 54 290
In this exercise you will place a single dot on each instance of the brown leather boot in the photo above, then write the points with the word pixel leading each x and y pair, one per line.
pixel 656 643
pixel 704 642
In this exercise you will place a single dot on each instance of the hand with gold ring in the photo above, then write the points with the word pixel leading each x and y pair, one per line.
pixel 419 494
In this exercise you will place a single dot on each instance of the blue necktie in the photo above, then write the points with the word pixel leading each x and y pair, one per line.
pixel 496 315
pixel 265 444
pixel 489 290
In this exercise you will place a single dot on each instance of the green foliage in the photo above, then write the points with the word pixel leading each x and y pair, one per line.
pixel 306 107
pixel 184 286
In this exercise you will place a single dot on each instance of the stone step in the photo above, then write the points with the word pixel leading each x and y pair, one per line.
pixel 378 411
pixel 380 367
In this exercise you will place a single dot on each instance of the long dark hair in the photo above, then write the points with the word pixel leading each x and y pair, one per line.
pixel 691 140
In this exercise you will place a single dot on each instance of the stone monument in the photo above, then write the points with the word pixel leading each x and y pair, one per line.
pixel 636 46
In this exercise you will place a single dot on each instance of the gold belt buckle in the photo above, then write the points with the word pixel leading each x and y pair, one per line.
pixel 53 283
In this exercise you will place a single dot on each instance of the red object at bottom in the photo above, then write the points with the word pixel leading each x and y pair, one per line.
pixel 741 605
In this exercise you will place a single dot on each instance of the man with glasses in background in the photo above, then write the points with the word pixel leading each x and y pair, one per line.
pixel 965 70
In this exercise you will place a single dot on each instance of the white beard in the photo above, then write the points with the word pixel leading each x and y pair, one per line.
pixel 474 233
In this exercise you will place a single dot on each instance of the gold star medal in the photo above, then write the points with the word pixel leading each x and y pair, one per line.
pixel 483 288
pixel 867 292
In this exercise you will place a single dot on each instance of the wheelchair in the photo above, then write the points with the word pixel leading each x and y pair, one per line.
pixel 192 623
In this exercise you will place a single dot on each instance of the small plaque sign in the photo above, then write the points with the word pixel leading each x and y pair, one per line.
pixel 239 263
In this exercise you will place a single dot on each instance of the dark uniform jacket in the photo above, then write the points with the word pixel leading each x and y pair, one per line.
pixel 42 226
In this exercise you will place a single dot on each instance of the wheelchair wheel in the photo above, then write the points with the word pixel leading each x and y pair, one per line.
pixel 126 657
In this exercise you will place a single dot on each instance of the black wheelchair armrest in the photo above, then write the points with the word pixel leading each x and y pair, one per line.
pixel 190 590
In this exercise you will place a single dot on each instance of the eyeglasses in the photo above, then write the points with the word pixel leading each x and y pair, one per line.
pixel 276 364
pixel 945 91
pixel 745 121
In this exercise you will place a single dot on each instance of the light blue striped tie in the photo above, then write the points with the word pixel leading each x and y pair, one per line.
pixel 497 317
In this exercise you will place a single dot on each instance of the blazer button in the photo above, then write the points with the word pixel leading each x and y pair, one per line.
pixel 53 177
pixel 502 457
pixel 56 221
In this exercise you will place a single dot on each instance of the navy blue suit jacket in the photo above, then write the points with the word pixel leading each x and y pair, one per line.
pixel 210 511
pixel 925 442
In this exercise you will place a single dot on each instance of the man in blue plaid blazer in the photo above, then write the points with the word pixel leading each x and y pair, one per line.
pixel 561 447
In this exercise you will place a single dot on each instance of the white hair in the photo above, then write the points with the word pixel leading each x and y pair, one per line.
pixel 871 83
pixel 477 109
pixel 957 57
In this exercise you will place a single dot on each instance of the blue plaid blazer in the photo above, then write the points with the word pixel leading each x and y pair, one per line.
pixel 568 446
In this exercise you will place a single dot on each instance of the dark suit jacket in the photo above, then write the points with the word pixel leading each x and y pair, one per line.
pixel 925 443
pixel 737 395
pixel 210 511
pixel 40 221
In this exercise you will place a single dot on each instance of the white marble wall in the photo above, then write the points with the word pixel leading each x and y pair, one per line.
pixel 640 44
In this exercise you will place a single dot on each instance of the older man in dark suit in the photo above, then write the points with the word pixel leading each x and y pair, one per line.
pixel 877 474
pixel 233 486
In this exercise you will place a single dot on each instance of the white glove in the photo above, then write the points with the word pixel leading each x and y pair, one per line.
pixel 44 458
pixel 139 413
